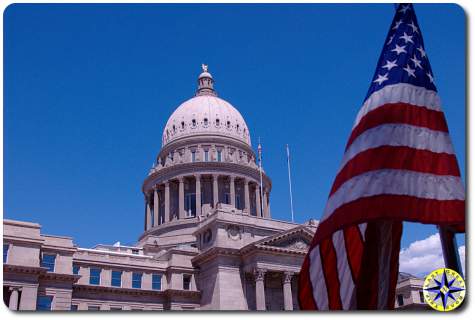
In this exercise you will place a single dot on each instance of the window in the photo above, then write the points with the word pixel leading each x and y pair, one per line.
pixel 238 201
pixel 190 204
pixel 193 123
pixel 217 122
pixel 116 308
pixel 218 156
pixel 43 303
pixel 206 155
pixel 182 125
pixel 186 282
pixel 94 276
pixel 75 269
pixel 400 300
pixel 74 307
pixel 157 282
pixel 116 279
pixel 5 252
pixel 205 122
pixel 135 251
pixel 93 308
pixel 421 296
pixel 237 128
pixel 227 198
pixel 193 156
pixel 137 280
pixel 228 124
pixel 47 261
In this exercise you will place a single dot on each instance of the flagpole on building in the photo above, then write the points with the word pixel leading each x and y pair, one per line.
pixel 290 183
pixel 259 153
pixel 450 249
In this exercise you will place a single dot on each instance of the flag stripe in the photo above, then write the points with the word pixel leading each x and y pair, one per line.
pixel 396 182
pixel 401 92
pixel 306 300
pixel 318 280
pixel 398 207
pixel 399 135
pixel 329 265
pixel 390 157
pixel 343 270
pixel 400 113
pixel 354 244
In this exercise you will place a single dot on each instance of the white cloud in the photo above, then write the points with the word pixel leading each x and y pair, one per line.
pixel 423 256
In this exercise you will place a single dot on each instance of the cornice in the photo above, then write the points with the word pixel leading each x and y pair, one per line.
pixel 23 269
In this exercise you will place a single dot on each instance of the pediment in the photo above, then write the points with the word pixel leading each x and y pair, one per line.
pixel 295 239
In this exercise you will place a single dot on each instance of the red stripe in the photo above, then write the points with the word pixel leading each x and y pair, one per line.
pixel 305 295
pixel 394 269
pixel 368 281
pixel 396 207
pixel 354 249
pixel 392 157
pixel 400 113
pixel 330 273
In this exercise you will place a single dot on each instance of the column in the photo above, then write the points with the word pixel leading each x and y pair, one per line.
pixel 287 286
pixel 13 303
pixel 215 190
pixel 181 198
pixel 148 219
pixel 167 201
pixel 265 205
pixel 232 191
pixel 247 204
pixel 258 201
pixel 156 206
pixel 198 194
pixel 259 275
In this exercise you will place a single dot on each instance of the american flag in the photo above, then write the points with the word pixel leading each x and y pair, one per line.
pixel 398 164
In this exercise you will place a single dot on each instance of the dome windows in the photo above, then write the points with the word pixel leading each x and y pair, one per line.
pixel 237 127
pixel 205 122
pixel 228 124
pixel 217 123
pixel 193 123
pixel 183 125
pixel 174 128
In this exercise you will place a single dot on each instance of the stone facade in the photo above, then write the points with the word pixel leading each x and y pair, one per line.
pixel 209 241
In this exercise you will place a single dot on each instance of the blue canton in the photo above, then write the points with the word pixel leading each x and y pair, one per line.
pixel 403 59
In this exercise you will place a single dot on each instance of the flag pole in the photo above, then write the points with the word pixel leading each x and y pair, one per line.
pixel 259 152
pixel 290 183
pixel 450 249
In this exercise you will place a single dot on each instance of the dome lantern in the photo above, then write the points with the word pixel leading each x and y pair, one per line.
pixel 205 83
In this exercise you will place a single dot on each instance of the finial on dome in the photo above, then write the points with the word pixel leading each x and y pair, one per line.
pixel 205 83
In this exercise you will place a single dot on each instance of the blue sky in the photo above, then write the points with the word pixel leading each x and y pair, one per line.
pixel 88 89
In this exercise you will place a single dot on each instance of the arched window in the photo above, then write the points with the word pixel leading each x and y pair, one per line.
pixel 193 123
pixel 217 122
pixel 183 125
pixel 205 121
pixel 228 124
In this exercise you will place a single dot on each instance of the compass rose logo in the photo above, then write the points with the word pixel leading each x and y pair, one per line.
pixel 444 289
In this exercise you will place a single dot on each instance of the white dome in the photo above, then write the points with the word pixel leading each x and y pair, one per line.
pixel 206 114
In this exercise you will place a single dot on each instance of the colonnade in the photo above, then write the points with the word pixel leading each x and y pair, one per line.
pixel 158 202
pixel 259 278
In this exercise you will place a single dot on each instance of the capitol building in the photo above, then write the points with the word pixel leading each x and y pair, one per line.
pixel 209 240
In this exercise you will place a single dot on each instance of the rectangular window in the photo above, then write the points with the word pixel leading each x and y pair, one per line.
pixel 116 308
pixel 400 300
pixel 137 280
pixel 75 269
pixel 5 252
pixel 47 261
pixel 193 156
pixel 93 308
pixel 238 201
pixel 94 276
pixel 135 251
pixel 74 307
pixel 190 204
pixel 157 282
pixel 116 280
pixel 206 155
pixel 218 156
pixel 43 303
pixel 186 282
pixel 227 198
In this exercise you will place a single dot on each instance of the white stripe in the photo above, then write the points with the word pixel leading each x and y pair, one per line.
pixel 318 280
pixel 344 272
pixel 396 182
pixel 399 135
pixel 401 92
pixel 362 227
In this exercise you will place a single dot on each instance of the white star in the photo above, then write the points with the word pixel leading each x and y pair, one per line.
pixel 421 50
pixel 417 63
pixel 404 8
pixel 399 49
pixel 413 26
pixel 390 39
pixel 407 38
pixel 431 77
pixel 410 71
pixel 397 24
pixel 390 64
pixel 381 78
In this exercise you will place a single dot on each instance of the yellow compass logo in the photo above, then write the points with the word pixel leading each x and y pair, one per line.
pixel 444 289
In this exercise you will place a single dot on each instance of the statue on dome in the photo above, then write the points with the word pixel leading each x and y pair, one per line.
pixel 204 67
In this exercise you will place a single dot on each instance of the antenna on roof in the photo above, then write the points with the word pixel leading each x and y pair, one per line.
pixel 259 153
